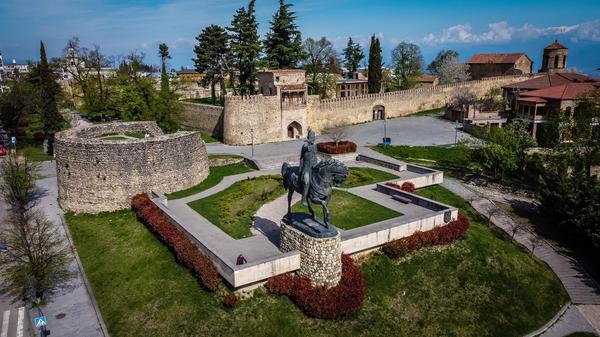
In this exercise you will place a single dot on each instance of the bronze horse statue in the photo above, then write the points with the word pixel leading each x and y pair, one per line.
pixel 325 175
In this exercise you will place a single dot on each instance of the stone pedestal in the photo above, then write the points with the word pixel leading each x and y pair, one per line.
pixel 320 258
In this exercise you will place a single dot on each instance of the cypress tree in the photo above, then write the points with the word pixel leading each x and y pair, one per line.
pixel 375 66
pixel 245 47
pixel 163 52
pixel 283 43
pixel 49 89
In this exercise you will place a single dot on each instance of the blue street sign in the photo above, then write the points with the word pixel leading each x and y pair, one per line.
pixel 13 139
pixel 39 321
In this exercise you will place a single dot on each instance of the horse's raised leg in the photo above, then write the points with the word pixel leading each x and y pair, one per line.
pixel 311 210
pixel 325 204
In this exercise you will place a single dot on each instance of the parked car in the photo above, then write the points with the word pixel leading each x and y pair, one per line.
pixel 3 247
pixel 2 151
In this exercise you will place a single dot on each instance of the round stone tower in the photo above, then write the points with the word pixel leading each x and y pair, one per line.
pixel 555 58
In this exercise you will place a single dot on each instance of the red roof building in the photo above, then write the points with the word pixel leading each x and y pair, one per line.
pixel 499 64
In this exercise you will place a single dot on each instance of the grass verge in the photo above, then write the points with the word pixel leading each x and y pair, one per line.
pixel 360 176
pixel 215 177
pixel 208 138
pixel 233 208
pixel 350 211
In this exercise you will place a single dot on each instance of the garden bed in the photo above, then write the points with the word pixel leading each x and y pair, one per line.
pixel 339 148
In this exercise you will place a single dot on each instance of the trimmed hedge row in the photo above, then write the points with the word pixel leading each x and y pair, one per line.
pixel 186 251
pixel 407 186
pixel 320 302
pixel 436 236
pixel 342 147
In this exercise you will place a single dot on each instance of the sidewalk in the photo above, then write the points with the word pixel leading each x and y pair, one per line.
pixel 73 312
pixel 582 289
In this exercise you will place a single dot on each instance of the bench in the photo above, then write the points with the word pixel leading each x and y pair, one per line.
pixel 401 199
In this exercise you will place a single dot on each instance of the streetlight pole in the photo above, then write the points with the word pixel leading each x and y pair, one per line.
pixel 384 131
pixel 252 135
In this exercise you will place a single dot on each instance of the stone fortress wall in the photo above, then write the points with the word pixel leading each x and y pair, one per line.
pixel 97 175
pixel 269 120
pixel 204 117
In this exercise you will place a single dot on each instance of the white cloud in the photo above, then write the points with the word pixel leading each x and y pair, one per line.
pixel 503 32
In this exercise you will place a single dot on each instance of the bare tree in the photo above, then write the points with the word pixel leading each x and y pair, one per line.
pixel 451 71
pixel 17 186
pixel 463 96
pixel 492 210
pixel 337 135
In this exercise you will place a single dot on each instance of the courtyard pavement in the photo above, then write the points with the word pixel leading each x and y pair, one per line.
pixel 584 291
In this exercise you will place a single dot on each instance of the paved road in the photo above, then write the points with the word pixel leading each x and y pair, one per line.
pixel 582 289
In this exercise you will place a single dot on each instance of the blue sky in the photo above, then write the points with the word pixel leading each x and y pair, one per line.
pixel 120 26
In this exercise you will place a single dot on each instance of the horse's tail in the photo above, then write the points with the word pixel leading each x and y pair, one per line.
pixel 284 169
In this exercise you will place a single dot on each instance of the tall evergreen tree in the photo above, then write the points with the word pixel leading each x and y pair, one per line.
pixel 353 54
pixel 375 66
pixel 53 121
pixel 211 53
pixel 163 52
pixel 283 43
pixel 245 48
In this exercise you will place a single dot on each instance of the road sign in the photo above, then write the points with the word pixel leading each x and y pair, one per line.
pixel 13 139
pixel 39 321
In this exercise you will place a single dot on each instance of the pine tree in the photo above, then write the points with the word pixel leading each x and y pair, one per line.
pixel 283 43
pixel 163 52
pixel 245 48
pixel 49 89
pixel 211 53
pixel 353 54
pixel 375 66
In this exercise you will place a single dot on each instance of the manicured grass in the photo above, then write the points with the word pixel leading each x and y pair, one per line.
pixel 233 208
pixel 479 286
pixel 350 211
pixel 136 134
pixel 115 138
pixel 215 177
pixel 34 153
pixel 223 156
pixel 208 138
pixel 359 176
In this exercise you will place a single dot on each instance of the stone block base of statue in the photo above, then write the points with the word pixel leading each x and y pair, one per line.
pixel 319 247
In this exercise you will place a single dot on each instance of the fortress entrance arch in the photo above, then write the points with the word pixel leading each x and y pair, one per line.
pixel 378 112
pixel 294 130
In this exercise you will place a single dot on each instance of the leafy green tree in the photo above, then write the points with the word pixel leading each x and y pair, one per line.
pixel 353 55
pixel 211 53
pixel 375 71
pixel 245 48
pixel 18 104
pixel 319 65
pixel 407 61
pixel 283 43
pixel 49 89
pixel 166 107
pixel 506 149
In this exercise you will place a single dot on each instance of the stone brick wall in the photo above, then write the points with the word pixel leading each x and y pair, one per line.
pixel 244 113
pixel 96 175
pixel 204 117
pixel 320 258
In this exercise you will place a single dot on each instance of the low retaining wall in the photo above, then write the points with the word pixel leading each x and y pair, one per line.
pixel 203 117
pixel 391 163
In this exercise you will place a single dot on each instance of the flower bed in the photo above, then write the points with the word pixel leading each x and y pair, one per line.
pixel 436 236
pixel 186 251
pixel 407 186
pixel 336 302
pixel 342 147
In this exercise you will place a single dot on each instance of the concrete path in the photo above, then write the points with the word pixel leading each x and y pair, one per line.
pixel 73 312
pixel 583 290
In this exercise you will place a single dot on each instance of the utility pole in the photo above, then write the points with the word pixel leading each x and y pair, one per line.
pixel 252 135
pixel 384 131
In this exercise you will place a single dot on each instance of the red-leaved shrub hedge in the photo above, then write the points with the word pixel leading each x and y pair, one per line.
pixel 342 147
pixel 230 300
pixel 186 251
pixel 436 236
pixel 407 186
pixel 320 302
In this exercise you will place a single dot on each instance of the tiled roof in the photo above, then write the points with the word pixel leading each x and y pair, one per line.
pixel 532 99
pixel 555 45
pixel 496 58
pixel 550 80
pixel 293 87
pixel 569 91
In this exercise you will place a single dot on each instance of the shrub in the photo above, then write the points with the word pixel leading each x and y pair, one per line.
pixel 230 300
pixel 342 147
pixel 185 250
pixel 20 132
pixel 38 136
pixel 320 302
pixel 436 236
pixel 407 186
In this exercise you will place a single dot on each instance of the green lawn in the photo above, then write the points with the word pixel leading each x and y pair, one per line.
pixel 350 211
pixel 34 153
pixel 215 177
pixel 116 138
pixel 208 138
pixel 359 176
pixel 136 134
pixel 223 156
pixel 481 285
pixel 233 208
pixel 428 112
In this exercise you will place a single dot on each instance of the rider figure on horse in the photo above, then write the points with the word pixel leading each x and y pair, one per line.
pixel 308 160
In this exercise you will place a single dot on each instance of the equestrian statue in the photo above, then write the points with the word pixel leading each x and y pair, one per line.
pixel 313 179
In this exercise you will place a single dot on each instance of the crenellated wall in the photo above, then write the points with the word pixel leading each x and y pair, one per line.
pixel 204 117
pixel 269 121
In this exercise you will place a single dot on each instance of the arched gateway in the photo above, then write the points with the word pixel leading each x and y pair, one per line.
pixel 378 112
pixel 294 130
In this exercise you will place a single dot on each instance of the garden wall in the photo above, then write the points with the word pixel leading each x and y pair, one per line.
pixel 97 175
pixel 203 117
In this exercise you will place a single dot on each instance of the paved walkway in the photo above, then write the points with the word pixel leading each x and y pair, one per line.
pixel 582 289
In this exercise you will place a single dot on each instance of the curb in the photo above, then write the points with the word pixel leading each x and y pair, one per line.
pixel 550 323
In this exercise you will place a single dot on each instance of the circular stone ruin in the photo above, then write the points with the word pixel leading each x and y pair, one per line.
pixel 101 167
